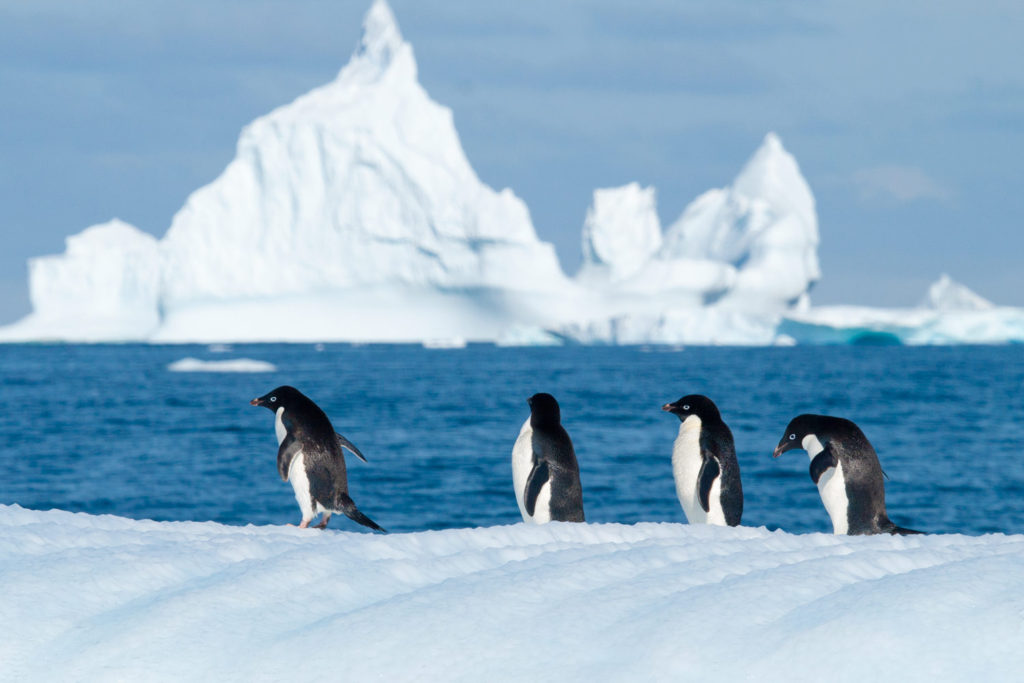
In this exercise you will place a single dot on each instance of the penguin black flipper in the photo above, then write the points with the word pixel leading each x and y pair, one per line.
pixel 288 449
pixel 349 446
pixel 348 507
pixel 538 477
pixel 822 462
pixel 709 471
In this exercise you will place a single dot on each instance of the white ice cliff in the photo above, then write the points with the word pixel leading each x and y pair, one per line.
pixel 353 214
pixel 105 285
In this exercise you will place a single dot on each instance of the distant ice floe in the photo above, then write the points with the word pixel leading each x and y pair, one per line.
pixel 107 598
pixel 445 343
pixel 230 365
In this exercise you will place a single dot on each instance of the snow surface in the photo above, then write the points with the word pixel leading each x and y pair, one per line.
pixel 107 598
pixel 227 365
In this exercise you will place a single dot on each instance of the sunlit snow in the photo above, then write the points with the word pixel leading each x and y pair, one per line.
pixel 106 598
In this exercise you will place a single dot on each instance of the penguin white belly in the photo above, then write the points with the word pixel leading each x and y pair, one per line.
pixel 831 488
pixel 686 463
pixel 542 511
pixel 300 484
pixel 522 464
pixel 715 513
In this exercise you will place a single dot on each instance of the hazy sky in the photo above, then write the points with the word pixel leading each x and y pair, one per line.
pixel 907 118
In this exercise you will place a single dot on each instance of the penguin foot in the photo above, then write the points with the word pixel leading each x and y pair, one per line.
pixel 304 524
pixel 323 522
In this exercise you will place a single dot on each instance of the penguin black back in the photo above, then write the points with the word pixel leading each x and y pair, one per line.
pixel 838 447
pixel 544 467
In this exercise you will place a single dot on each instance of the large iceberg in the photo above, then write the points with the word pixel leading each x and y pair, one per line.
pixel 353 214
pixel 107 598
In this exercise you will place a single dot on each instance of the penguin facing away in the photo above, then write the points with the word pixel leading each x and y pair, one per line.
pixel 545 473
pixel 704 464
pixel 845 468
pixel 310 457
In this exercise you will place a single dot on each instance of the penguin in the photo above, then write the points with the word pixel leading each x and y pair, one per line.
pixel 310 456
pixel 845 467
pixel 545 473
pixel 704 463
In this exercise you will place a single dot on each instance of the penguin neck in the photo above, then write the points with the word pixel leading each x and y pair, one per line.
pixel 279 427
pixel 692 423
pixel 812 445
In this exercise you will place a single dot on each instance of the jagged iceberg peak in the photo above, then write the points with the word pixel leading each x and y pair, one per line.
pixel 620 233
pixel 360 183
pixel 380 46
pixel 946 294
pixel 764 224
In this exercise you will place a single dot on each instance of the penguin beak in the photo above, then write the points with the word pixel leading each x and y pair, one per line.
pixel 779 450
pixel 667 407
pixel 256 402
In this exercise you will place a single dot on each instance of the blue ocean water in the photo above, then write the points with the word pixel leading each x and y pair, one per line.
pixel 108 429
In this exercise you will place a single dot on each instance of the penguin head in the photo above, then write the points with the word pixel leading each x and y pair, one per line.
pixel 823 428
pixel 694 404
pixel 282 396
pixel 544 410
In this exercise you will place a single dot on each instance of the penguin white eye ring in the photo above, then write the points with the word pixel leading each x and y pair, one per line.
pixel 686 407
pixel 273 399
pixel 792 437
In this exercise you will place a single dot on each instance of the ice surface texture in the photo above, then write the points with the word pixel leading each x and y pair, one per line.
pixel 106 598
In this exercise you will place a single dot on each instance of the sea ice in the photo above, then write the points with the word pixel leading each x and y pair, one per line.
pixel 106 598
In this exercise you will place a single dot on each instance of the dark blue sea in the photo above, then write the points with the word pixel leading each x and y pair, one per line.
pixel 109 430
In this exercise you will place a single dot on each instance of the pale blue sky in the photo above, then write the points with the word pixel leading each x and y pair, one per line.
pixel 907 118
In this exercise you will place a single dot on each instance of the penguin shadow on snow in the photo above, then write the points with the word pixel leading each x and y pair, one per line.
pixel 310 456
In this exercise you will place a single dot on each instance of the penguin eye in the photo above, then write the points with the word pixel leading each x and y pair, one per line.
pixel 792 437
pixel 686 407
pixel 273 399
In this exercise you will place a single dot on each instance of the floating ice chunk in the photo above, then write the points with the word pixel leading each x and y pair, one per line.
pixel 230 365
pixel 445 343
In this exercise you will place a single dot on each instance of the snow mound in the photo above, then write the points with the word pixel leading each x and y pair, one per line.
pixel 946 294
pixel 228 365
pixel 106 598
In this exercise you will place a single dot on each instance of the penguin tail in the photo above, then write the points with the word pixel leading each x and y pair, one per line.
pixel 347 506
pixel 900 531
